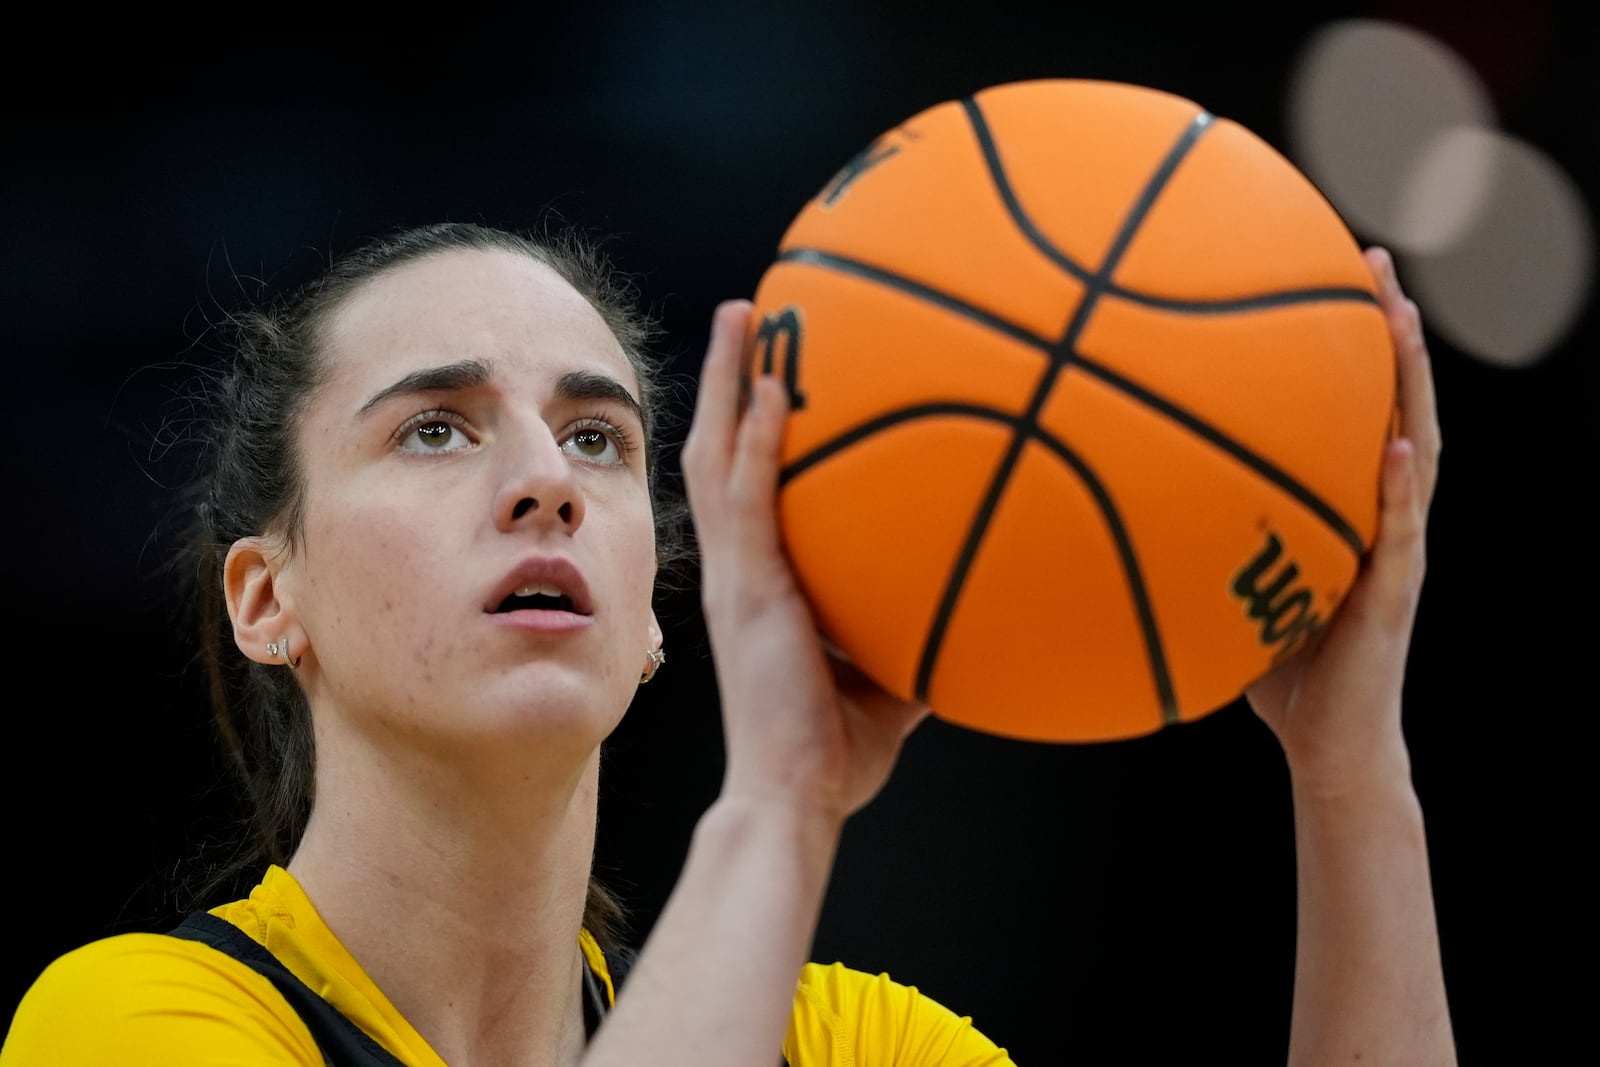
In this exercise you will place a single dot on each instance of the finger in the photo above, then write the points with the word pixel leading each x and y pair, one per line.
pixel 753 477
pixel 1419 417
pixel 708 446
pixel 1398 556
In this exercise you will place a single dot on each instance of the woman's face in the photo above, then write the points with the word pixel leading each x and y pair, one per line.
pixel 478 554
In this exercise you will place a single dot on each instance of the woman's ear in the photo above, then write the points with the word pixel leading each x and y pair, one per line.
pixel 264 626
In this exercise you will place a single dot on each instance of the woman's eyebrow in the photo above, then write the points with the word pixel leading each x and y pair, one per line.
pixel 472 373
pixel 588 385
pixel 452 377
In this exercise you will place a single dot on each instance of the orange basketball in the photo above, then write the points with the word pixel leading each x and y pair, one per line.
pixel 1090 390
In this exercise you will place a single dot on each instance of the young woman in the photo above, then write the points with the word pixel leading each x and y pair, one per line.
pixel 428 541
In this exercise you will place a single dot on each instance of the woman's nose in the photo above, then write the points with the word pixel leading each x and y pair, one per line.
pixel 538 486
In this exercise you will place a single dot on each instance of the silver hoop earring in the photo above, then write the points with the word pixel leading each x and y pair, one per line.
pixel 281 648
pixel 657 658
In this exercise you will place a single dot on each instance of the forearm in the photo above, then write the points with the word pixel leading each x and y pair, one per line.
pixel 715 982
pixel 1369 983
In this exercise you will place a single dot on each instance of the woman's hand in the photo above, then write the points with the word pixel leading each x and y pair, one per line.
pixel 1335 705
pixel 800 724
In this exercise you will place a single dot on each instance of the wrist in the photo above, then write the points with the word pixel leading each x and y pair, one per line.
pixel 772 840
pixel 1378 782
pixel 1348 769
pixel 770 810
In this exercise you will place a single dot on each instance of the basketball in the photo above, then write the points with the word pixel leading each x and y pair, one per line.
pixel 1089 392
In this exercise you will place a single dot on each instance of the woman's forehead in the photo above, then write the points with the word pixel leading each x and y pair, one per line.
pixel 496 306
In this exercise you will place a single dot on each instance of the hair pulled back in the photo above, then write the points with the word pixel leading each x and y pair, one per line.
pixel 251 482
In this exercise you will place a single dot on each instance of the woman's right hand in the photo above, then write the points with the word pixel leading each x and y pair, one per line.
pixel 801 724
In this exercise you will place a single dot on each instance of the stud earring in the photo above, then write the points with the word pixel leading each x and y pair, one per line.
pixel 657 658
pixel 281 648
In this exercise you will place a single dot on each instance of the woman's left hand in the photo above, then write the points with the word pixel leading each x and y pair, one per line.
pixel 1335 704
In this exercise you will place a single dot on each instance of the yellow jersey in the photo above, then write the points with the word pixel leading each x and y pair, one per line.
pixel 156 1000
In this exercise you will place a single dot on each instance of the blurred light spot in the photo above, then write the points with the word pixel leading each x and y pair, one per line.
pixel 1397 131
pixel 1365 97
pixel 1511 285
pixel 1445 189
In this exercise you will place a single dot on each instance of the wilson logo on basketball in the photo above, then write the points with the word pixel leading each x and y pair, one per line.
pixel 1282 608
pixel 782 329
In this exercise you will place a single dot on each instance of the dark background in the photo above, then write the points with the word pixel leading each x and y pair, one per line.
pixel 1129 902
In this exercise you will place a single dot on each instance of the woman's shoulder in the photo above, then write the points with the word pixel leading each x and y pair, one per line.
pixel 845 1015
pixel 127 968
pixel 148 998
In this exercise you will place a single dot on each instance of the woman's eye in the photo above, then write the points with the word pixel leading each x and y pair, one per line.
pixel 594 445
pixel 432 433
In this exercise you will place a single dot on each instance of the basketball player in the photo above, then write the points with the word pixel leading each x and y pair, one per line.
pixel 426 547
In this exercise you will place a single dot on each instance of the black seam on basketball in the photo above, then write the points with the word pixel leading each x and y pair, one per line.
pixel 1332 294
pixel 816 257
pixel 1061 352
pixel 845 265
pixel 842 441
pixel 1341 526
pixel 1159 671
pixel 1312 502
pixel 1141 207
pixel 1098 279
pixel 1002 185
pixel 1008 196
